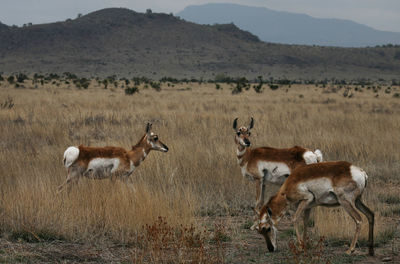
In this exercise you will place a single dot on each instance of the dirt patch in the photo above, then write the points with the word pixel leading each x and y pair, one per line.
pixel 240 246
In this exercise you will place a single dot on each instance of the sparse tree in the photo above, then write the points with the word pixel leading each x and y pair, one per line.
pixel 259 87
pixel 10 79
pixel 131 90
pixel 21 77
pixel 156 86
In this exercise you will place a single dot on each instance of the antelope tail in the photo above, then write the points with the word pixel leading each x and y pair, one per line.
pixel 71 154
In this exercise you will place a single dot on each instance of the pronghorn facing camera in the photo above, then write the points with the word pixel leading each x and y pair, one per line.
pixel 265 164
pixel 323 184
pixel 107 162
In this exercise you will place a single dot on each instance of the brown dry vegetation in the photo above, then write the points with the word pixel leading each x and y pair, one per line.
pixel 198 179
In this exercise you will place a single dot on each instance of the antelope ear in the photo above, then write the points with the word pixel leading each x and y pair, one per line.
pixel 148 128
pixel 256 211
pixel 269 211
pixel 251 123
pixel 235 123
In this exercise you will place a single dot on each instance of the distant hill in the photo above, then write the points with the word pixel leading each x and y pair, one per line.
pixel 3 26
pixel 290 28
pixel 123 42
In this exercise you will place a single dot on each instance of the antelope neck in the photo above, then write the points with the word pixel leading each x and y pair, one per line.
pixel 140 151
pixel 242 154
pixel 278 205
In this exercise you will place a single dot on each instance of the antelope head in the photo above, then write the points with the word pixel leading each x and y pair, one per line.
pixel 266 227
pixel 153 140
pixel 243 133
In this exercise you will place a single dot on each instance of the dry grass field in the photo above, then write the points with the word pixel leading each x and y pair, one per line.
pixel 197 183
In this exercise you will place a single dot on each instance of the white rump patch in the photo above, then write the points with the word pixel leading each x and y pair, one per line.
pixel 310 157
pixel 278 171
pixel 103 165
pixel 359 176
pixel 319 155
pixel 71 154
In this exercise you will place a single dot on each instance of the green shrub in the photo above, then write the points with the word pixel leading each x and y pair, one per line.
pixel 273 86
pixel 10 79
pixel 156 86
pixel 82 83
pixel 131 90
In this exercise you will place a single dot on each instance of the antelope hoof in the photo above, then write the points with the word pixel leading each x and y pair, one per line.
pixel 302 246
pixel 371 252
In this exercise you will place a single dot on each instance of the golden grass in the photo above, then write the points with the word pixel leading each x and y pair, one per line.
pixel 199 174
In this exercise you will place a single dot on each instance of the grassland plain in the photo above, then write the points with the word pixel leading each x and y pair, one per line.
pixel 197 183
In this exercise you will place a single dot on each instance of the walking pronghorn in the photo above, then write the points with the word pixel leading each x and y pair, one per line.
pixel 107 162
pixel 323 184
pixel 265 164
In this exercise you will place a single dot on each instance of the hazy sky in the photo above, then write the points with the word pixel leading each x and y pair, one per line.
pixel 379 14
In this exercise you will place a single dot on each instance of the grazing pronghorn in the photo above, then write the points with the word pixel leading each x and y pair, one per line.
pixel 265 164
pixel 108 162
pixel 323 184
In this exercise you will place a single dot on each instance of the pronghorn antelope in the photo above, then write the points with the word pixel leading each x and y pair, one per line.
pixel 108 162
pixel 323 184
pixel 265 164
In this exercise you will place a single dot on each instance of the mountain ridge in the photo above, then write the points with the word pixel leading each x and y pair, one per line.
pixel 127 43
pixel 290 28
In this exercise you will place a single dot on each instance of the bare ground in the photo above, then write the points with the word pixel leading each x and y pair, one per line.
pixel 244 246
